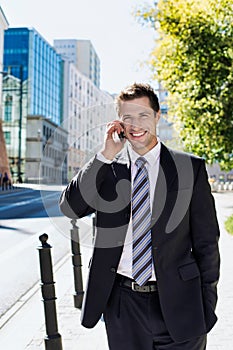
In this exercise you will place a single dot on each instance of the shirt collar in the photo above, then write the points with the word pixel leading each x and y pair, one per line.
pixel 151 157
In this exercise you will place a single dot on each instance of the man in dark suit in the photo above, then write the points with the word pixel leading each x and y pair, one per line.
pixel 155 263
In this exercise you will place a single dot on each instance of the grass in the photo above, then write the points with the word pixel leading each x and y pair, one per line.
pixel 229 224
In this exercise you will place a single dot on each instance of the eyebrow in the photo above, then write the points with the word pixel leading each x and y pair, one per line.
pixel 140 114
pixel 126 115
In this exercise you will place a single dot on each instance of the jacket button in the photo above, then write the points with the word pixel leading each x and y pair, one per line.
pixel 113 269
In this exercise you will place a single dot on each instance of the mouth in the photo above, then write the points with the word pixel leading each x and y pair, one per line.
pixel 138 135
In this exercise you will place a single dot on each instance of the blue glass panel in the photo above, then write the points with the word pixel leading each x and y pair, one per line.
pixel 41 66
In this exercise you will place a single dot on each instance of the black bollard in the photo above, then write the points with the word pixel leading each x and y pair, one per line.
pixel 52 338
pixel 93 228
pixel 77 265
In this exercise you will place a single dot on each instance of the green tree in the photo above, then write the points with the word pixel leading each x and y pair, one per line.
pixel 193 59
pixel 229 224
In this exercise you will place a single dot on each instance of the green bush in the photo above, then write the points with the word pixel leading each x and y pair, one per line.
pixel 229 224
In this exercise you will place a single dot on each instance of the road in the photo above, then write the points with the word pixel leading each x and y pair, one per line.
pixel 24 215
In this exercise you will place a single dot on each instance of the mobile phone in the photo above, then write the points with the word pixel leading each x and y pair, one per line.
pixel 121 135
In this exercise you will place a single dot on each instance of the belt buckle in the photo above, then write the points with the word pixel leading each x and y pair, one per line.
pixel 137 288
pixel 133 286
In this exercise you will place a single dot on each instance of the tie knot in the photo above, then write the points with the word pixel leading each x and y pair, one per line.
pixel 140 162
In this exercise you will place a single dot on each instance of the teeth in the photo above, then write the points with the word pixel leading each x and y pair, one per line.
pixel 138 134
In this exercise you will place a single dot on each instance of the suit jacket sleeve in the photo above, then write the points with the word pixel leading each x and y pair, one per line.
pixel 81 195
pixel 205 235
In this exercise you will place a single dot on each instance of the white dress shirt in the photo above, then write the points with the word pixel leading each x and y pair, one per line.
pixel 152 157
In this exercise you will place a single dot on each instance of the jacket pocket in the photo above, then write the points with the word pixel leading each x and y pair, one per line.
pixel 189 271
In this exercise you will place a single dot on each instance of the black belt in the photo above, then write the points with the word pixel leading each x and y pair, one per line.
pixel 129 283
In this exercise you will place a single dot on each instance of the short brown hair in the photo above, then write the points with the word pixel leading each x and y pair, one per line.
pixel 138 90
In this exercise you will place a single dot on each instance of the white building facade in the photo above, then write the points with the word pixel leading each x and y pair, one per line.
pixel 4 165
pixel 83 55
pixel 86 111
pixel 46 151
pixel 3 25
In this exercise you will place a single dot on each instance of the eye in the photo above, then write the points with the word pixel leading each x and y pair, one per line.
pixel 127 120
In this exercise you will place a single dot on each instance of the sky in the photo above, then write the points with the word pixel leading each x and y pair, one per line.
pixel 122 44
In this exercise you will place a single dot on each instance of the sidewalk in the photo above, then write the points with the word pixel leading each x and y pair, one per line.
pixel 26 329
pixel 23 327
pixel 74 336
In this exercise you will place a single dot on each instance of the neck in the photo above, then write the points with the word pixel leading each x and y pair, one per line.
pixel 143 151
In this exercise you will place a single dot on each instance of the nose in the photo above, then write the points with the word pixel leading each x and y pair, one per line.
pixel 136 124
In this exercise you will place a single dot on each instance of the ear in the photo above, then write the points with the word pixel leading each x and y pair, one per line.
pixel 157 115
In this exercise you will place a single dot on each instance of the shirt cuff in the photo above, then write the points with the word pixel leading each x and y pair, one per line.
pixel 102 158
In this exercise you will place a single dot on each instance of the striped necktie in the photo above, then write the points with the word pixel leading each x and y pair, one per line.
pixel 141 221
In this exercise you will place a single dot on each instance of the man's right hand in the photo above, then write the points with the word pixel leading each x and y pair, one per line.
pixel 112 143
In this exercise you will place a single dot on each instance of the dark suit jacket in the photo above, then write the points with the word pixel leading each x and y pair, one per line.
pixel 185 237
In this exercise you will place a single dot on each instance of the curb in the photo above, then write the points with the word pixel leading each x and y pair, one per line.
pixel 6 317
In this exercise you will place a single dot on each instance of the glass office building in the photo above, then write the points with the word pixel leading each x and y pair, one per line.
pixel 32 105
pixel 30 58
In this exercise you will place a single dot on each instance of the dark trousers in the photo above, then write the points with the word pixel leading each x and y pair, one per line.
pixel 134 321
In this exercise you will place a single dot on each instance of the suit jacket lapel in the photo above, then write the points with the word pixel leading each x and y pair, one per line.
pixel 173 191
pixel 167 164
pixel 166 182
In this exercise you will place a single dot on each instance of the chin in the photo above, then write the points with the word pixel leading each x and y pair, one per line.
pixel 139 148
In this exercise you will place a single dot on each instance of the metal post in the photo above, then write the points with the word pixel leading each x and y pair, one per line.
pixel 77 265
pixel 93 228
pixel 52 338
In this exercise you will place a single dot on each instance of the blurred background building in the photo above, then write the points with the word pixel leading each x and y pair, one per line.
pixel 83 55
pixel 4 164
pixel 53 111
pixel 86 110
pixel 31 87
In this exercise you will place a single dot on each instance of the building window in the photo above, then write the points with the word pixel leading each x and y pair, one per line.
pixel 7 136
pixel 8 109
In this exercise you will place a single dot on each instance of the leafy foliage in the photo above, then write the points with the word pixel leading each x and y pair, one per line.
pixel 229 224
pixel 193 59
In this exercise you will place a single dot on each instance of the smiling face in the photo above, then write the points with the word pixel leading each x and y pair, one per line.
pixel 139 121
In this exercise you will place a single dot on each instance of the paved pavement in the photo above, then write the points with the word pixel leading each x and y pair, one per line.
pixel 23 327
